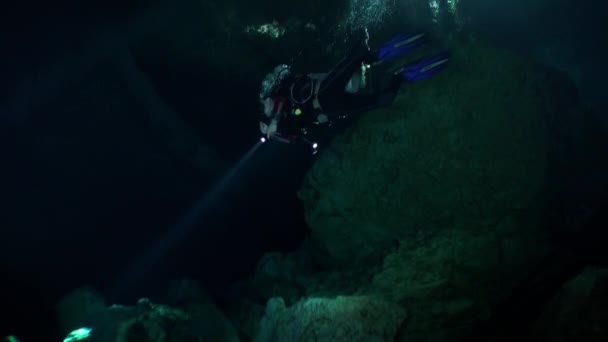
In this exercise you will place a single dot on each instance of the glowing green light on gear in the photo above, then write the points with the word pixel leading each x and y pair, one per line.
pixel 78 335
pixel 11 338
pixel 297 112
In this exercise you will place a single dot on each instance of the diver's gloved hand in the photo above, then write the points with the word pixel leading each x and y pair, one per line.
pixel 272 128
pixel 263 127
pixel 269 129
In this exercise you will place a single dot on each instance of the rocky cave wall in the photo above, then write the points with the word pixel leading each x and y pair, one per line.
pixel 436 206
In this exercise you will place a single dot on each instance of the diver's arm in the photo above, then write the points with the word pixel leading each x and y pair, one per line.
pixel 276 113
pixel 279 110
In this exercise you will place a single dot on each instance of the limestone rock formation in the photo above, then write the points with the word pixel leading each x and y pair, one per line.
pixel 464 150
pixel 579 311
pixel 435 206
pixel 330 319
pixel 144 322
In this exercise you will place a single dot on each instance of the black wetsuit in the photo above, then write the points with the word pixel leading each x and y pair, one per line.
pixel 334 100
pixel 380 91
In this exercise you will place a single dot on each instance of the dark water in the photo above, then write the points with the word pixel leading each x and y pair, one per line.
pixel 90 182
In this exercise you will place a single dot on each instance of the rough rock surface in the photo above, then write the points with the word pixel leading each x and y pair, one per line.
pixel 435 205
pixel 336 319
pixel 200 320
pixel 464 150
pixel 579 312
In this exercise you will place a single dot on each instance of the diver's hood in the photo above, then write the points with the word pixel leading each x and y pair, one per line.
pixel 272 80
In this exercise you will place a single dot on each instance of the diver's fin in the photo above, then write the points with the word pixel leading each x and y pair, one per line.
pixel 425 67
pixel 400 45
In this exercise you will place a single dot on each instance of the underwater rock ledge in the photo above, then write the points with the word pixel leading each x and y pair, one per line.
pixel 435 206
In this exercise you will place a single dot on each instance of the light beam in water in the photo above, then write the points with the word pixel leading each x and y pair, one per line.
pixel 180 230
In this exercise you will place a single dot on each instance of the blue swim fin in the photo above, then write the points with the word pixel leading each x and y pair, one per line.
pixel 425 67
pixel 400 45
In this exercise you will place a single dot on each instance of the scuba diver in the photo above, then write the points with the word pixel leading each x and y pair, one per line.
pixel 293 105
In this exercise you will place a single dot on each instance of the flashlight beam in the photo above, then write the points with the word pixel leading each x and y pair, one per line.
pixel 180 230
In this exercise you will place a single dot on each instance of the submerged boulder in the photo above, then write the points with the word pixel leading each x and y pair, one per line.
pixel 436 206
pixel 353 318
pixel 146 321
pixel 463 150
pixel 579 311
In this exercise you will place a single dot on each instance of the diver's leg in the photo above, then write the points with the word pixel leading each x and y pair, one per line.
pixel 349 104
pixel 340 75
